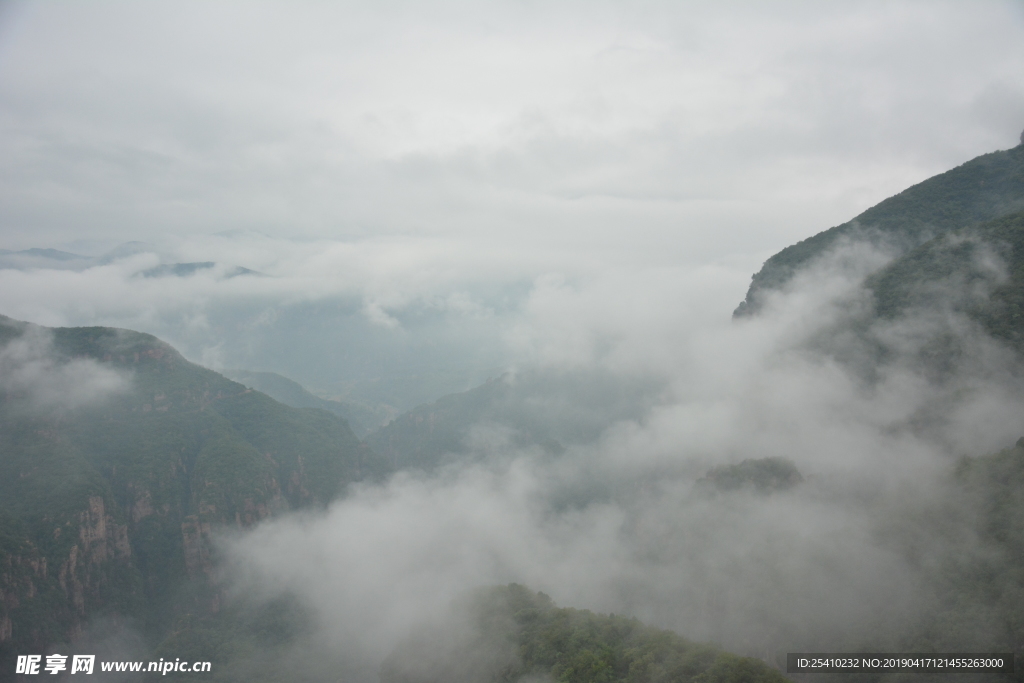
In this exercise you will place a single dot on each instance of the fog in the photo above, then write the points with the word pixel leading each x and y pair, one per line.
pixel 410 178
pixel 852 557
pixel 425 198
pixel 34 377
pixel 698 130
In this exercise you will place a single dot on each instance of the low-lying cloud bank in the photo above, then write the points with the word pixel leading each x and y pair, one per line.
pixel 851 557
pixel 398 321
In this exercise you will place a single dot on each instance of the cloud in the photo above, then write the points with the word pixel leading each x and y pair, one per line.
pixel 556 124
pixel 31 371
pixel 438 195
pixel 327 313
pixel 852 557
pixel 407 165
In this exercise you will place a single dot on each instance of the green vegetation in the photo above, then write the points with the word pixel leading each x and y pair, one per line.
pixel 973 554
pixel 980 190
pixel 978 271
pixel 360 418
pixel 108 506
pixel 545 412
pixel 427 435
pixel 513 634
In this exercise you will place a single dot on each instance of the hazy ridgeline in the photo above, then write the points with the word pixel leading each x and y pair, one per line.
pixel 888 543
pixel 874 371
pixel 815 477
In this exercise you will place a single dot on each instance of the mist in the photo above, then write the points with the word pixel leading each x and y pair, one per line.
pixel 34 377
pixel 408 179
pixel 389 203
pixel 852 557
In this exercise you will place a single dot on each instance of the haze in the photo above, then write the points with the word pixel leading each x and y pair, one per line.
pixel 431 196
pixel 409 174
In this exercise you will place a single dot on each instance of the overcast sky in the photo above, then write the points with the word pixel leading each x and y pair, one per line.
pixel 452 189
pixel 644 131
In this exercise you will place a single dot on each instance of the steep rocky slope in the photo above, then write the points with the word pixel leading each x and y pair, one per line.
pixel 119 462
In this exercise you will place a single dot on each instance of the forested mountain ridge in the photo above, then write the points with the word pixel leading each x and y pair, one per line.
pixel 519 635
pixel 548 411
pixel 424 436
pixel 977 191
pixel 119 459
pixel 978 271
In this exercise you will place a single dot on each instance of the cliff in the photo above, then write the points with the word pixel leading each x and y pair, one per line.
pixel 120 461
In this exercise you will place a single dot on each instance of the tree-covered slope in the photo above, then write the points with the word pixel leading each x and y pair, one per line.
pixel 967 545
pixel 360 418
pixel 425 436
pixel 543 410
pixel 978 271
pixel 511 634
pixel 119 460
pixel 976 580
pixel 980 190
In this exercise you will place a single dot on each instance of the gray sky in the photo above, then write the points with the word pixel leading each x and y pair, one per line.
pixel 629 130
pixel 445 188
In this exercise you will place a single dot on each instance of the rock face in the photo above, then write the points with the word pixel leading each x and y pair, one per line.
pixel 102 544
pixel 112 487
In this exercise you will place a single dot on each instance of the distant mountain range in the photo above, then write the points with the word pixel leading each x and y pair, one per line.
pixel 360 418
pixel 959 240
pixel 28 259
pixel 119 461
pixel 529 410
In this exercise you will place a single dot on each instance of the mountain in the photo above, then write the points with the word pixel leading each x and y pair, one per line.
pixel 54 254
pixel 127 249
pixel 548 411
pixel 42 258
pixel 119 460
pixel 53 259
pixel 360 418
pixel 977 270
pixel 430 434
pixel 186 269
pixel 980 190
pixel 510 633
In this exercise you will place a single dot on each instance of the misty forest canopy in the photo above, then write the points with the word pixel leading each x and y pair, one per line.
pixel 133 483
pixel 509 633
pixel 111 500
